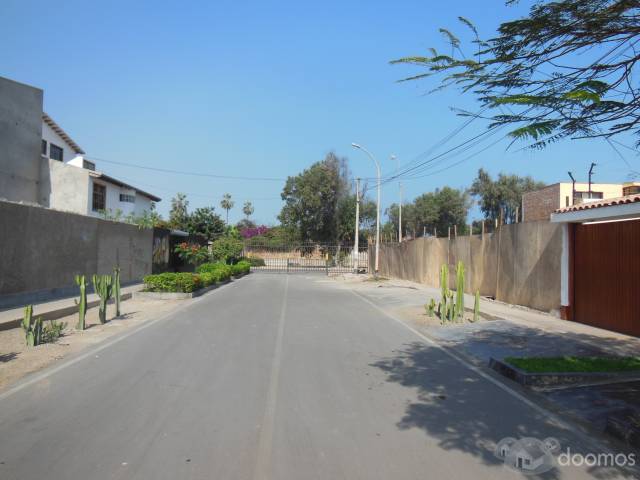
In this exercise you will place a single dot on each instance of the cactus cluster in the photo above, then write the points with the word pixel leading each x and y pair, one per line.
pixel 82 303
pixel 32 328
pixel 451 308
pixel 476 307
pixel 103 286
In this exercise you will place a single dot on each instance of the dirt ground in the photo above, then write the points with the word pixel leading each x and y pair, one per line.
pixel 18 360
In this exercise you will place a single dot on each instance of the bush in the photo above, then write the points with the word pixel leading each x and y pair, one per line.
pixel 227 249
pixel 173 282
pixel 254 261
pixel 218 271
pixel 240 268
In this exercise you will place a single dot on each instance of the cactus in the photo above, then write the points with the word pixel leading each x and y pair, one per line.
pixel 116 289
pixel 460 289
pixel 476 307
pixel 452 309
pixel 431 308
pixel 32 330
pixel 103 286
pixel 444 280
pixel 82 303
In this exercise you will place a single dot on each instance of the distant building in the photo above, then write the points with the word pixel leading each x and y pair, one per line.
pixel 41 164
pixel 540 204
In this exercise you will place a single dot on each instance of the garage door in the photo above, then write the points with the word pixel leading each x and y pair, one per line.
pixel 607 275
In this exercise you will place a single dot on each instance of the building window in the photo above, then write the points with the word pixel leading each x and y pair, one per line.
pixel 99 197
pixel 55 152
pixel 125 197
pixel 44 148
pixel 631 190
pixel 566 201
pixel 585 195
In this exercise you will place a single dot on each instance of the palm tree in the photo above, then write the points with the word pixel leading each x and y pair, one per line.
pixel 227 204
pixel 247 209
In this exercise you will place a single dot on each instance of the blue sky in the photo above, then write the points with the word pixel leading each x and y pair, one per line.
pixel 260 89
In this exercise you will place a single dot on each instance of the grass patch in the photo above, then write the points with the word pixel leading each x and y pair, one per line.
pixel 575 364
pixel 376 279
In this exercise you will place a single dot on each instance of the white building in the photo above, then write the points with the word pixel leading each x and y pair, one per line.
pixel 70 182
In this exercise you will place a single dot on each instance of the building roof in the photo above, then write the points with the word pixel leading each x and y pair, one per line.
pixel 607 202
pixel 120 183
pixel 58 129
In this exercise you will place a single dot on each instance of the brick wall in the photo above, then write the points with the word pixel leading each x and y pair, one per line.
pixel 540 204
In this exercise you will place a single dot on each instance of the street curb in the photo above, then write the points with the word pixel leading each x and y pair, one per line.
pixel 60 312
pixel 177 295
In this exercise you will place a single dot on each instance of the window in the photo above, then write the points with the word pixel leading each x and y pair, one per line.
pixel 566 201
pixel 55 152
pixel 125 197
pixel 44 148
pixel 99 197
pixel 585 195
pixel 631 190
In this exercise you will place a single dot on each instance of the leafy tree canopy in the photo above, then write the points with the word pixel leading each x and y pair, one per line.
pixel 565 70
pixel 311 200
pixel 178 215
pixel 206 222
pixel 502 195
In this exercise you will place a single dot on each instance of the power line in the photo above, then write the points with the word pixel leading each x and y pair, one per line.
pixel 193 174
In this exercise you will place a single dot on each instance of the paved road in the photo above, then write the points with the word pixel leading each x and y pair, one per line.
pixel 270 377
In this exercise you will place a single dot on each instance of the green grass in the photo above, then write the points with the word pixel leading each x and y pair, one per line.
pixel 575 364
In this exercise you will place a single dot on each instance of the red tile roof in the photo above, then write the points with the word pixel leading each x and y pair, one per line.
pixel 607 202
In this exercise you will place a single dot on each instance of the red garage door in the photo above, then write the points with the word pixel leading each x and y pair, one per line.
pixel 607 275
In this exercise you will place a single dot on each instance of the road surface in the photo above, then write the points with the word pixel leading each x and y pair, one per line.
pixel 271 377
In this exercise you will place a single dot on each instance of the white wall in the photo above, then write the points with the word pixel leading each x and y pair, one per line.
pixel 67 188
pixel 52 137
pixel 113 202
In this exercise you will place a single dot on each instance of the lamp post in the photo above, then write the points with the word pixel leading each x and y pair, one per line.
pixel 393 157
pixel 355 145
pixel 356 244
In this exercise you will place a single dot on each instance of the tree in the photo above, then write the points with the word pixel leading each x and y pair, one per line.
pixel 247 209
pixel 346 217
pixel 311 200
pixel 227 204
pixel 502 197
pixel 179 215
pixel 438 210
pixel 245 224
pixel 568 69
pixel 206 222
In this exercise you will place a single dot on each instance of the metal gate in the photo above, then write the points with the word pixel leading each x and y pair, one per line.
pixel 607 275
pixel 328 259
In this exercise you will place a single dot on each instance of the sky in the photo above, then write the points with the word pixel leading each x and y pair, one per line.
pixel 263 89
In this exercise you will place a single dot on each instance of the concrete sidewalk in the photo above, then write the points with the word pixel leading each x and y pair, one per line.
pixel 57 308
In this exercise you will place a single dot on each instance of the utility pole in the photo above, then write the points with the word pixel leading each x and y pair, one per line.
pixel 590 174
pixel 393 157
pixel 356 250
pixel 573 189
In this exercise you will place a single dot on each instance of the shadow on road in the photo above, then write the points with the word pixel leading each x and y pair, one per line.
pixel 7 357
pixel 465 412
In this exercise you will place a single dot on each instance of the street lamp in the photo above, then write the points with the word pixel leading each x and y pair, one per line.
pixel 393 157
pixel 355 145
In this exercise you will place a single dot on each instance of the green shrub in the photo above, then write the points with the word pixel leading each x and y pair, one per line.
pixel 52 331
pixel 240 268
pixel 254 261
pixel 227 249
pixel 220 271
pixel 173 282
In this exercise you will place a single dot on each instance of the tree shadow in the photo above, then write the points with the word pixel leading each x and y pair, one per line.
pixel 465 412
pixel 7 357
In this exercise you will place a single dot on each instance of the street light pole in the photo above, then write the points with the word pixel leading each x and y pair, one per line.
pixel 355 145
pixel 393 157
pixel 356 246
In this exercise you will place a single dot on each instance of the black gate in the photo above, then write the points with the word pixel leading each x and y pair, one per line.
pixel 328 259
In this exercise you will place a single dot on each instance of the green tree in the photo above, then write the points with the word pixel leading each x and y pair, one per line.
pixel 439 210
pixel 206 222
pixel 227 204
pixel 247 209
pixel 346 217
pixel 568 69
pixel 179 215
pixel 502 195
pixel 311 200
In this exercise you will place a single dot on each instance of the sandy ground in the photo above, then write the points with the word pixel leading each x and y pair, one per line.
pixel 18 360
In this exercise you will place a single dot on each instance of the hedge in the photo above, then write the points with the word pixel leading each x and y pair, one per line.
pixel 173 282
pixel 240 268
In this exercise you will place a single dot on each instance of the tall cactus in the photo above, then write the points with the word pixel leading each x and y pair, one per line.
pixel 32 329
pixel 82 303
pixel 460 289
pixel 444 280
pixel 116 288
pixel 103 286
pixel 476 307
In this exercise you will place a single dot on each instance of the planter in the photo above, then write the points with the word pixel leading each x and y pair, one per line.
pixel 177 295
pixel 550 379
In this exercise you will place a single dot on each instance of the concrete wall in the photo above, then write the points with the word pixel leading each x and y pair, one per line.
pixel 519 264
pixel 41 250
pixel 64 187
pixel 20 141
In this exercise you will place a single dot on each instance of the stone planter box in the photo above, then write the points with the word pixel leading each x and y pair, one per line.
pixel 177 295
pixel 550 379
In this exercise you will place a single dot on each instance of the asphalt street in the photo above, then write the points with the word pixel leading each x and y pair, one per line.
pixel 273 376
